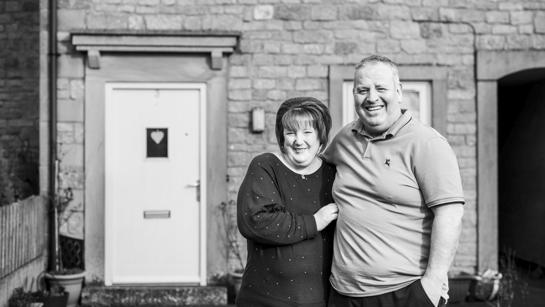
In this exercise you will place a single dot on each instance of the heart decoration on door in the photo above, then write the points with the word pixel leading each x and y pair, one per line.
pixel 157 136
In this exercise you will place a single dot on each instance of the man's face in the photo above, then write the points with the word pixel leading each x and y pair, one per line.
pixel 377 97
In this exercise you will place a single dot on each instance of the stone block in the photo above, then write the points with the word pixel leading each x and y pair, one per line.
pixel 239 120
pixel 136 22
pixel 71 66
pixel 107 21
pixel 319 36
pixel 240 94
pixel 163 22
pixel 238 71
pixel 393 12
pixel 99 296
pixel 71 19
pixel 539 22
pixel 345 48
pixel 503 29
pixel 251 46
pixel 497 17
pixel 388 46
pixel 522 17
pixel 264 83
pixel 277 95
pixel 510 6
pixel 309 84
pixel 424 13
pixel 238 158
pixel 526 29
pixel 357 12
pixel 293 25
pixel 291 48
pixel 263 12
pixel 238 135
pixel 518 41
pixel 292 12
pixel 491 42
pixel 239 83
pixel 323 12
pixel 69 110
pixel 404 30
pixel 317 71
pixel 282 59
pixel 272 72
pixel 271 47
pixel 538 41
pixel 413 46
pixel 238 106
pixel 314 49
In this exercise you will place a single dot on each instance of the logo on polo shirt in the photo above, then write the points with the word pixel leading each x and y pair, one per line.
pixel 387 162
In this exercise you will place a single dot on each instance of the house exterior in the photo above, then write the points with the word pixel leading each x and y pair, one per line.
pixel 159 104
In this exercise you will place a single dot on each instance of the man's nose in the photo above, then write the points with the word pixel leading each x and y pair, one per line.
pixel 373 95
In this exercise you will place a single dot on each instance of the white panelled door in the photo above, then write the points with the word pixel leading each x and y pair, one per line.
pixel 154 183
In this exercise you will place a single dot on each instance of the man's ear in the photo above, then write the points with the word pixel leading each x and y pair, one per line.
pixel 400 91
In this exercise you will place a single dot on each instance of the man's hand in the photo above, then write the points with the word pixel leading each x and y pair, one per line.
pixel 433 288
pixel 326 215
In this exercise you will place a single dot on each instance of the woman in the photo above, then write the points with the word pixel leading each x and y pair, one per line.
pixel 284 205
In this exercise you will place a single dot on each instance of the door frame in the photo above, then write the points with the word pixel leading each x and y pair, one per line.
pixel 108 211
pixel 492 66
pixel 166 68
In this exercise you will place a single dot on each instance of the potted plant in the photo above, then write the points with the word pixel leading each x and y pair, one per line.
pixel 232 243
pixel 70 279
pixel 57 297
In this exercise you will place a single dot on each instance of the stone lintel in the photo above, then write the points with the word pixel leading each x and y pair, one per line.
pixel 215 44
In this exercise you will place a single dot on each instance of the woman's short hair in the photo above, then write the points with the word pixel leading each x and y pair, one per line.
pixel 308 109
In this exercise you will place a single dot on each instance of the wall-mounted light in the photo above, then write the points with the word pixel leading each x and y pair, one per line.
pixel 258 120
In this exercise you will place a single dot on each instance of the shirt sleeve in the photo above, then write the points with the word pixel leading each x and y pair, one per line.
pixel 437 173
pixel 261 214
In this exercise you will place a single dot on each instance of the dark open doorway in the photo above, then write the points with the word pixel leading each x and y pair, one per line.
pixel 521 170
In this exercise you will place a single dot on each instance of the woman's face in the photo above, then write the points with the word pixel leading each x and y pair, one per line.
pixel 301 145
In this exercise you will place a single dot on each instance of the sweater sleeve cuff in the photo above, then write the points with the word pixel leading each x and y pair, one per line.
pixel 310 225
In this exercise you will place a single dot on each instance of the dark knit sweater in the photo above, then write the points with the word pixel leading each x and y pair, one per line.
pixel 288 259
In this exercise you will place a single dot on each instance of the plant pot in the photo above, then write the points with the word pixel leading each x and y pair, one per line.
pixel 72 283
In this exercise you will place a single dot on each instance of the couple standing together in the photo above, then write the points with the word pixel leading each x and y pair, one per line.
pixel 371 220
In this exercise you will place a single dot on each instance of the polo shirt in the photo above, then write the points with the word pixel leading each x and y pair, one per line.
pixel 385 187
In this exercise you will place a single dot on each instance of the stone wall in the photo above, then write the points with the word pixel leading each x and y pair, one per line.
pixel 286 48
pixel 19 70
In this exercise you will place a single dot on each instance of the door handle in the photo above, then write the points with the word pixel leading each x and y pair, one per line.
pixel 197 187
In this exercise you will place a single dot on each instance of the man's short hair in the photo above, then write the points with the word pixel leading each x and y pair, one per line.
pixel 379 59
pixel 303 111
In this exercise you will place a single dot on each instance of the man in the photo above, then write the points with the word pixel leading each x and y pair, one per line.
pixel 400 200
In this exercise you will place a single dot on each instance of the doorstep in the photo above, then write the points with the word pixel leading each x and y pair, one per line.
pixel 140 296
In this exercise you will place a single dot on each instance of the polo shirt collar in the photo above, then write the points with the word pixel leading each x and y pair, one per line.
pixel 405 117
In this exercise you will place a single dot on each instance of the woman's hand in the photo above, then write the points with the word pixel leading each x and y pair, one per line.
pixel 326 215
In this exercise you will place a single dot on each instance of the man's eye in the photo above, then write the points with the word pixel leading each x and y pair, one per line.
pixel 362 91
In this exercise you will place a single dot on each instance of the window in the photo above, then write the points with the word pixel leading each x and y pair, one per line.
pixel 424 93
